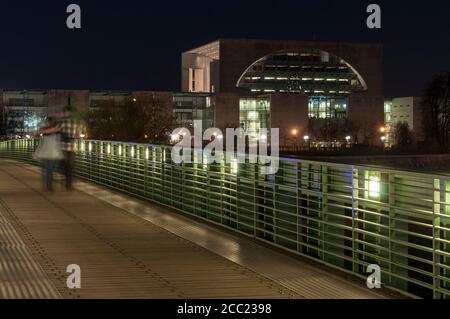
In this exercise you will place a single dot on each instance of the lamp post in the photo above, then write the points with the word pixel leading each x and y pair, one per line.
pixel 348 139
pixel 383 141
pixel 307 138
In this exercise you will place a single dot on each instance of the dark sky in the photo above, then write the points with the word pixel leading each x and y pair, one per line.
pixel 134 44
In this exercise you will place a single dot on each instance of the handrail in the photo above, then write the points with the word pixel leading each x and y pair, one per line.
pixel 344 216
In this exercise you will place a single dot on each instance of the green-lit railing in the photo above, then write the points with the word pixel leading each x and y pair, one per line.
pixel 344 216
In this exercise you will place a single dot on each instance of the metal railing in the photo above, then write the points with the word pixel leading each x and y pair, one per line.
pixel 344 216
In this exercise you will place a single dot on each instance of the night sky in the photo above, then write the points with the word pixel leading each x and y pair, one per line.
pixel 137 44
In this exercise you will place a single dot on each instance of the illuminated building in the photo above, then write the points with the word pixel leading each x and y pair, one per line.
pixel 319 88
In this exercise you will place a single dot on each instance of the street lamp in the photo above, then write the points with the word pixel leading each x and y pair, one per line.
pixel 307 138
pixel 348 138
pixel 174 138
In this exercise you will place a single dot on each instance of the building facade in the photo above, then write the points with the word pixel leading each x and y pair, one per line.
pixel 403 110
pixel 22 111
pixel 326 91
pixel 323 90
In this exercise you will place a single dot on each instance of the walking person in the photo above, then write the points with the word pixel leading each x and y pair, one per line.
pixel 49 152
pixel 70 129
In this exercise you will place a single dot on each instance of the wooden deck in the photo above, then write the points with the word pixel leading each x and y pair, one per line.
pixel 127 248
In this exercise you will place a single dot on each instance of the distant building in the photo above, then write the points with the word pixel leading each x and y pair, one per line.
pixel 326 91
pixel 22 111
pixel 303 88
pixel 403 110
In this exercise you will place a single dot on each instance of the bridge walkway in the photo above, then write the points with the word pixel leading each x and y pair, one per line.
pixel 128 248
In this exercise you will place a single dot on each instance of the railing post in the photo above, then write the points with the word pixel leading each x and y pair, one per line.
pixel 391 201
pixel 355 207
pixel 436 236
pixel 324 210
pixel 298 208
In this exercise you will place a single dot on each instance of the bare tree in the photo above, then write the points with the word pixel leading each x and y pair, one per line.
pixel 436 111
pixel 403 136
pixel 352 129
pixel 145 118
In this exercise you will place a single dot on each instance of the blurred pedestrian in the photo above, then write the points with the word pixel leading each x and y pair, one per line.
pixel 70 128
pixel 49 152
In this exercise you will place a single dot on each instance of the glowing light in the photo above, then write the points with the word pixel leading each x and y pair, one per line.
pixel 294 132
pixel 90 147
pixel 382 129
pixel 82 135
pixel 383 138
pixel 374 186
pixel 174 138
pixel 132 151
pixel 348 138
pixel 134 100
pixel 147 153
pixel 306 138
pixel 205 161
pixel 108 149
pixel 234 166
pixel 120 150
